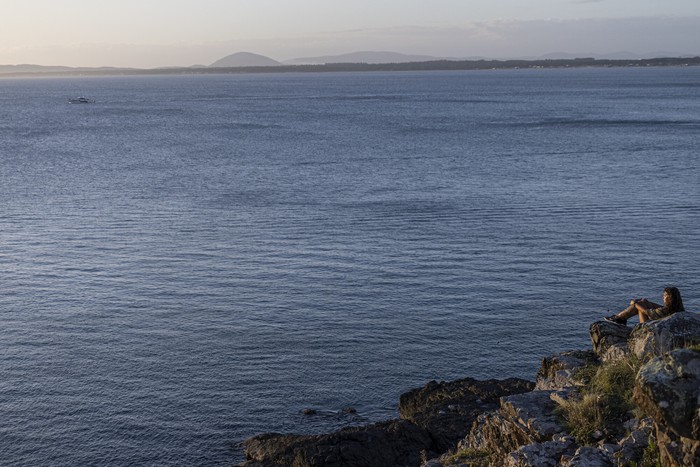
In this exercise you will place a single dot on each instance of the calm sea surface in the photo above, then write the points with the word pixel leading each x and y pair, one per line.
pixel 189 261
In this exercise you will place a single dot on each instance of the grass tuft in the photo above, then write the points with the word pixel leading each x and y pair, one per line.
pixel 652 456
pixel 605 402
pixel 468 456
pixel 583 417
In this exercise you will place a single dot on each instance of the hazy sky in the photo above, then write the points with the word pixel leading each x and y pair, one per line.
pixel 152 33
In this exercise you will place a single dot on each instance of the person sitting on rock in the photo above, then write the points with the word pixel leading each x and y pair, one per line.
pixel 648 310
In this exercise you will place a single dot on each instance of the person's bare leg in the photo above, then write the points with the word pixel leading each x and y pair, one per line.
pixel 643 316
pixel 628 312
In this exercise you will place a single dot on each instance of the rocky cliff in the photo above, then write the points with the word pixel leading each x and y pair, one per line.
pixel 633 399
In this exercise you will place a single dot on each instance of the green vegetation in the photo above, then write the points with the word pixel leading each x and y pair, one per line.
pixel 469 456
pixel 605 400
pixel 652 457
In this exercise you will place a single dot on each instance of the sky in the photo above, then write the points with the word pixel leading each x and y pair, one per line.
pixel 155 33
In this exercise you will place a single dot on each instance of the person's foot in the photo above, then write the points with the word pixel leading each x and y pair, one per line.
pixel 616 320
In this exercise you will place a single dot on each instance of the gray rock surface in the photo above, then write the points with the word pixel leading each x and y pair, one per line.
pixel 668 388
pixel 447 410
pixel 547 454
pixel 609 340
pixel 589 456
pixel 631 448
pixel 435 416
pixel 556 371
pixel 522 419
pixel 395 443
pixel 676 451
pixel 534 411
pixel 655 338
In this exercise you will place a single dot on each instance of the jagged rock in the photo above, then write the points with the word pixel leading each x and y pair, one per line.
pixel 497 434
pixel 611 449
pixel 609 340
pixel 556 371
pixel 448 409
pixel 547 454
pixel 564 396
pixel 516 425
pixel 588 456
pixel 615 352
pixel 668 389
pixel 523 419
pixel 396 443
pixel 676 451
pixel 655 338
pixel 535 411
pixel 631 448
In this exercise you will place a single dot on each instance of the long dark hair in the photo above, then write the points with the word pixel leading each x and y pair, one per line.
pixel 675 302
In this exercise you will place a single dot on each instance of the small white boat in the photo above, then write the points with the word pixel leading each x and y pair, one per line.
pixel 80 100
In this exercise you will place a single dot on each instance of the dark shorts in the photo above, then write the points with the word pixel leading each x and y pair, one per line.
pixel 657 313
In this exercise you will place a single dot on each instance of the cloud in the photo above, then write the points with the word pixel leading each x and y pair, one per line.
pixel 598 36
pixel 509 38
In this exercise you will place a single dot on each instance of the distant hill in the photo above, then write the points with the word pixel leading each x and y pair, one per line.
pixel 28 69
pixel 239 63
pixel 244 59
pixel 31 68
pixel 362 57
pixel 622 55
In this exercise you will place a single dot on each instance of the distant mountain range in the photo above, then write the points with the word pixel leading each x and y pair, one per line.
pixel 241 59
pixel 357 60
pixel 26 68
pixel 362 57
pixel 246 59
pixel 610 56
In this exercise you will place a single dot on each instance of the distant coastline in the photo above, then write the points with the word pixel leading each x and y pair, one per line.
pixel 19 71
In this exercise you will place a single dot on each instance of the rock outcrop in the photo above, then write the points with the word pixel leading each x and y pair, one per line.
pixel 523 419
pixel 632 447
pixel 395 443
pixel 435 417
pixel 676 451
pixel 547 454
pixel 609 340
pixel 447 410
pixel 515 422
pixel 656 338
pixel 668 389
pixel 589 456
pixel 557 371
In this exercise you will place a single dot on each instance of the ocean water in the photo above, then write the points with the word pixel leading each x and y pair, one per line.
pixel 192 260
